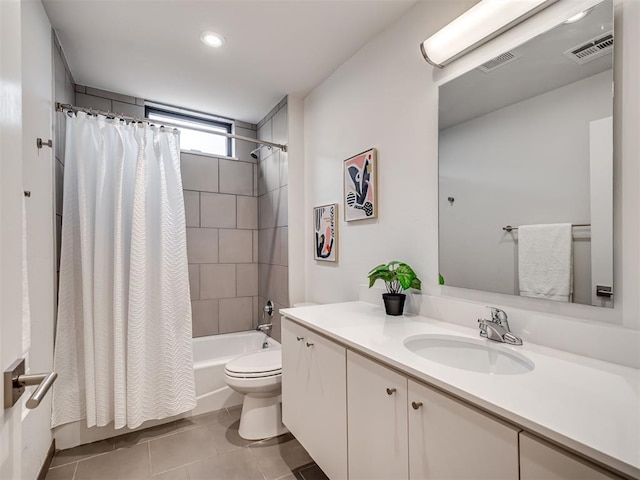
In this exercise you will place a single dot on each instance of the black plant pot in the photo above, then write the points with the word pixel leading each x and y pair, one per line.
pixel 394 303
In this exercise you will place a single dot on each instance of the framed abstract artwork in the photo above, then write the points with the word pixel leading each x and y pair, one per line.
pixel 360 179
pixel 325 233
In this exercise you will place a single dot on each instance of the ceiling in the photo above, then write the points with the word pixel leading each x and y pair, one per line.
pixel 541 67
pixel 151 49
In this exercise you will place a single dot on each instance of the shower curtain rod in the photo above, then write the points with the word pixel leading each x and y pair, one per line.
pixel 60 107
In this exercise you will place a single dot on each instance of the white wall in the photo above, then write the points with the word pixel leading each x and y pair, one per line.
pixel 382 97
pixel 10 224
pixel 385 96
pixel 523 164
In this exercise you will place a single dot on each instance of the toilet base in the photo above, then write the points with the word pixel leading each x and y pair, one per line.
pixel 261 417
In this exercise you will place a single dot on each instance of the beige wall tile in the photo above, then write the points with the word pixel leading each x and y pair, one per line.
pixel 217 210
pixel 265 274
pixel 236 314
pixel 280 202
pixel 199 172
pixel 280 130
pixel 247 279
pixel 110 95
pixel 89 101
pixel 256 240
pixel 264 132
pixel 273 283
pixel 60 135
pixel 255 180
pixel 284 246
pixel 194 281
pixel 247 212
pixel 202 245
pixel 269 173
pixel 217 281
pixel 243 149
pixel 128 108
pixel 276 320
pixel 192 208
pixel 266 251
pixel 257 311
pixel 236 246
pixel 236 177
pixel 266 214
pixel 204 317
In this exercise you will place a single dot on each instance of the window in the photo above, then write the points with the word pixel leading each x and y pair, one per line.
pixel 195 140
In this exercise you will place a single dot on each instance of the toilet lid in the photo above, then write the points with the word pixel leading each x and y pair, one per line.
pixel 267 361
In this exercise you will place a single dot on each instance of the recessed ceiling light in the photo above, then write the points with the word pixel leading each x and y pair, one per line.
pixel 577 17
pixel 212 39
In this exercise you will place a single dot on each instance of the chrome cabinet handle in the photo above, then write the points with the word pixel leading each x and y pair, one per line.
pixel 391 391
pixel 416 405
pixel 299 338
pixel 309 344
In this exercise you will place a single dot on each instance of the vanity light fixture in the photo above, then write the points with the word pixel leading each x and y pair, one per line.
pixel 212 39
pixel 478 25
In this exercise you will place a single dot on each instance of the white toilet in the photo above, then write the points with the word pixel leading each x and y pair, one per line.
pixel 259 377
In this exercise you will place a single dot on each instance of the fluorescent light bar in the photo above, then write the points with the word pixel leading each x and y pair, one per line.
pixel 478 25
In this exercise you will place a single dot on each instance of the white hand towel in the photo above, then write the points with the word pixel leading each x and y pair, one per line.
pixel 545 261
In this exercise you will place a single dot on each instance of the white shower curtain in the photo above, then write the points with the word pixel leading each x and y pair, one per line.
pixel 123 340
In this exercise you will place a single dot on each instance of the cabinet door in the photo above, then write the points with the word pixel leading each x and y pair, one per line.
pixel 377 419
pixel 540 460
pixel 314 396
pixel 449 439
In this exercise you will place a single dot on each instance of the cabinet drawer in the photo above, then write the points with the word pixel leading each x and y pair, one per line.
pixel 541 460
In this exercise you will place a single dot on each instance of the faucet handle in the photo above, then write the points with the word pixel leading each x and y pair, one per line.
pixel 498 315
pixel 482 325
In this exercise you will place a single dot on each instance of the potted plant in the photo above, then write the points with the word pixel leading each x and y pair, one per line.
pixel 397 277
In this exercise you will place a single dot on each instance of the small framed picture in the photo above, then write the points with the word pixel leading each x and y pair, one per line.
pixel 360 179
pixel 325 233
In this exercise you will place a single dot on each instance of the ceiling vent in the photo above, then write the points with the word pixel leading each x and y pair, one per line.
pixel 499 61
pixel 594 48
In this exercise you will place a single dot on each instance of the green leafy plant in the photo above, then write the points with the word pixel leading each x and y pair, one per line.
pixel 397 276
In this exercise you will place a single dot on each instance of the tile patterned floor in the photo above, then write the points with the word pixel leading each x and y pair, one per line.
pixel 203 447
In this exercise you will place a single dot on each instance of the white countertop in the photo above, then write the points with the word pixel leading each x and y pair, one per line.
pixel 586 405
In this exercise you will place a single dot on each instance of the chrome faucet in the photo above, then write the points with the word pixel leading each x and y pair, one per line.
pixel 267 310
pixel 264 327
pixel 497 329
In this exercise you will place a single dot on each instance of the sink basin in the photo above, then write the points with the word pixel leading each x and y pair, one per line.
pixel 469 354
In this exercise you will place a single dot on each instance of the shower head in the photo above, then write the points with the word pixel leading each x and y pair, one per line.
pixel 256 153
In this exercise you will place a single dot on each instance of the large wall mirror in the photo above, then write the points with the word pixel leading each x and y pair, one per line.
pixel 526 140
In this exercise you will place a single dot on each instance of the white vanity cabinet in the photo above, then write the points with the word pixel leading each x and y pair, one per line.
pixel 450 439
pixel 314 396
pixel 377 419
pixel 400 429
pixel 541 460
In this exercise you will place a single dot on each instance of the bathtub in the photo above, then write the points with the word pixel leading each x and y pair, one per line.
pixel 210 355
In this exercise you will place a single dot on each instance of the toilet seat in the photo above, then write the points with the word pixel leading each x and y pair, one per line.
pixel 265 363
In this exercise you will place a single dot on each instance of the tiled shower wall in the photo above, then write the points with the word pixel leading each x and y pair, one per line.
pixel 222 242
pixel 273 250
pixel 221 206
pixel 63 92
